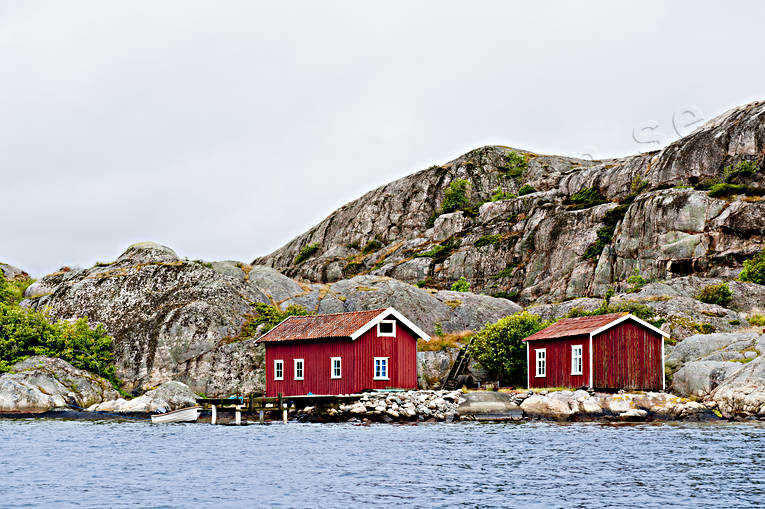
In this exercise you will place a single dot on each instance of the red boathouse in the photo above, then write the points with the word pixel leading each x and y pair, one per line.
pixel 615 351
pixel 341 353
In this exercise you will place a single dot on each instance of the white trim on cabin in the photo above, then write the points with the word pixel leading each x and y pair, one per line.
pixel 391 334
pixel 627 317
pixel 541 362
pixel 577 361
pixel 589 355
pixel 384 373
pixel 302 369
pixel 390 311
pixel 278 368
pixel 332 373
pixel 528 368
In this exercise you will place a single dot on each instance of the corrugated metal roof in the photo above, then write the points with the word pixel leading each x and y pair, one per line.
pixel 338 325
pixel 575 326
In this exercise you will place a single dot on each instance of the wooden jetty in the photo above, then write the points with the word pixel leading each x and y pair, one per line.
pixel 263 405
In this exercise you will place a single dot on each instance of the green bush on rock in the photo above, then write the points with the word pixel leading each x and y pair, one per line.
pixel 499 347
pixel 461 285
pixel 754 269
pixel 25 333
pixel 455 197
pixel 719 294
pixel 306 253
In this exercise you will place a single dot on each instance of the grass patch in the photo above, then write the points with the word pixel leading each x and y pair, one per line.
pixel 584 199
pixel 442 251
pixel 526 189
pixel 444 341
pixel 488 240
pixel 506 272
pixel 754 269
pixel 506 295
pixel 306 253
pixel 461 285
pixel 372 246
pixel 756 320
pixel 515 165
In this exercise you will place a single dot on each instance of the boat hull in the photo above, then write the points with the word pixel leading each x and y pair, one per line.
pixel 190 414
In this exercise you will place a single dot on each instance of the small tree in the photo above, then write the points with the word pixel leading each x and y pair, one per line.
pixel 455 197
pixel 636 280
pixel 6 292
pixel 754 269
pixel 461 285
pixel 719 294
pixel 499 346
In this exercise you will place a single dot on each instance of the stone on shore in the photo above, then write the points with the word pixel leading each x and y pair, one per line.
pixel 167 397
pixel 42 384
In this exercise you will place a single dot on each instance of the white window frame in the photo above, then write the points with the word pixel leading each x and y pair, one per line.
pixel 295 369
pixel 278 366
pixel 541 362
pixel 387 370
pixel 339 367
pixel 577 354
pixel 386 334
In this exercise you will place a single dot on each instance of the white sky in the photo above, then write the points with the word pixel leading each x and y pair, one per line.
pixel 224 129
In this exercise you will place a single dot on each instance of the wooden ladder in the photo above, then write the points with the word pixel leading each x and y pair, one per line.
pixel 460 365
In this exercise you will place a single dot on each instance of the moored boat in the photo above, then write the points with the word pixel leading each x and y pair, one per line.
pixel 190 414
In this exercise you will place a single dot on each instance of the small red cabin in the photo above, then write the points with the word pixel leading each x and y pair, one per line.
pixel 615 351
pixel 342 353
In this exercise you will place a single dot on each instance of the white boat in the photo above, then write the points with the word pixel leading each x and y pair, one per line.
pixel 190 414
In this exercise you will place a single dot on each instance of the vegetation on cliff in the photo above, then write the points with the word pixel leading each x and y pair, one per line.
pixel 754 269
pixel 25 333
pixel 499 346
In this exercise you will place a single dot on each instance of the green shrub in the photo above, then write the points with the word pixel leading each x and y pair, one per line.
pixel 372 246
pixel 754 269
pixel 461 285
pixel 636 280
pixel 306 253
pixel 488 240
pixel 742 169
pixel 605 236
pixel 526 189
pixel 25 333
pixel 6 291
pixel 440 252
pixel 12 292
pixel 271 316
pixel 704 328
pixel 734 322
pixel 506 272
pixel 353 245
pixel 500 350
pixel 722 190
pixel 756 320
pixel 506 295
pixel 456 196
pixel 584 199
pixel 515 165
pixel 719 294
pixel 499 194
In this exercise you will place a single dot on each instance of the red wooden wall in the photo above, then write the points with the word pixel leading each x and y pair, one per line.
pixel 559 362
pixel 357 363
pixel 628 356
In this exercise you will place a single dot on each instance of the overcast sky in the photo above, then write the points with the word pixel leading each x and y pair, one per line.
pixel 224 129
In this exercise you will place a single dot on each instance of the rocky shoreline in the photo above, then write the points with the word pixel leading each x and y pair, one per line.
pixel 44 387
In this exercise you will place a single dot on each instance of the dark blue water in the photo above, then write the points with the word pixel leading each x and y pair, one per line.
pixel 48 463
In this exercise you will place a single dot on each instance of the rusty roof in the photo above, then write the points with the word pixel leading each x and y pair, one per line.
pixel 337 325
pixel 575 326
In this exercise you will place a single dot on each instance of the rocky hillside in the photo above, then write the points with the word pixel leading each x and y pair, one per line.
pixel 175 319
pixel 581 227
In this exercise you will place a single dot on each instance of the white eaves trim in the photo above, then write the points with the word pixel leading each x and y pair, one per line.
pixel 390 312
pixel 629 317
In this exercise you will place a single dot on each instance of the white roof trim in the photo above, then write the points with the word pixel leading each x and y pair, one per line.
pixel 388 312
pixel 628 317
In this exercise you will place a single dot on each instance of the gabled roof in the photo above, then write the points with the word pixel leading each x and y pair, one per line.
pixel 588 325
pixel 334 326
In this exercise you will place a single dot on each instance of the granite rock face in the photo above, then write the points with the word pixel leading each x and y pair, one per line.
pixel 42 384
pixel 743 392
pixel 534 245
pixel 168 317
pixel 167 397
pixel 174 319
